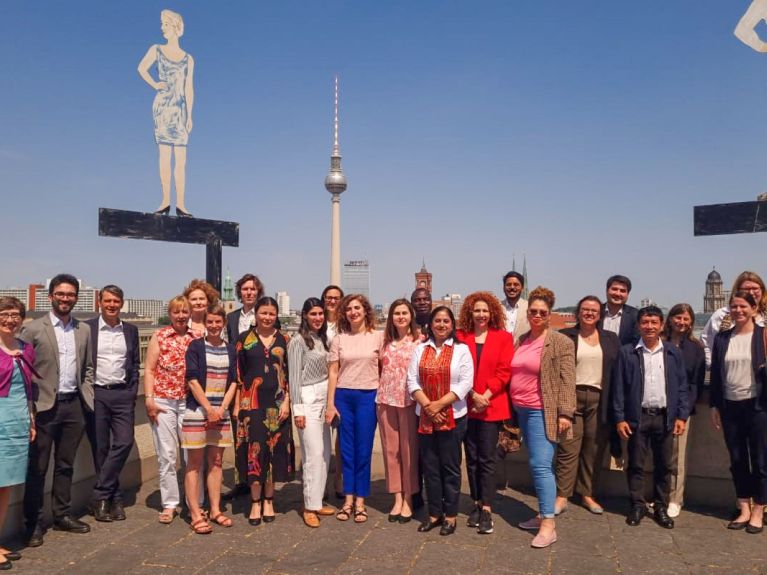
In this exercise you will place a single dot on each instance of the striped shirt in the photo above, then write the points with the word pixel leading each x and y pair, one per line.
pixel 306 367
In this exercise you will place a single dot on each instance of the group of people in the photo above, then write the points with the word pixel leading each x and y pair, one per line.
pixel 435 387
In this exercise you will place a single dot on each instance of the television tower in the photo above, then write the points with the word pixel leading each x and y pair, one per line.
pixel 335 183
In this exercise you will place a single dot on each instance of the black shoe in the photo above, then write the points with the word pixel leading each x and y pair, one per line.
pixel 255 522
pixel 101 511
pixel 13 555
pixel 428 525
pixel 737 525
pixel 268 518
pixel 35 536
pixel 636 515
pixel 417 501
pixel 448 527
pixel 393 518
pixel 473 520
pixel 163 211
pixel 71 525
pixel 753 529
pixel 485 523
pixel 182 214
pixel 661 517
pixel 5 565
pixel 235 492
pixel 116 511
pixel 405 519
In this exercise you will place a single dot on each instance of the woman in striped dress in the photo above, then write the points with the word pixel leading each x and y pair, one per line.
pixel 211 375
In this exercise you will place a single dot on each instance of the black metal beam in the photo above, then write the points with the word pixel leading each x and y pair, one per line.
pixel 144 226
pixel 734 218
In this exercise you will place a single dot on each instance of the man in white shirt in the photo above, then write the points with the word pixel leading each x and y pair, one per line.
pixel 64 391
pixel 515 305
pixel 110 428
pixel 650 406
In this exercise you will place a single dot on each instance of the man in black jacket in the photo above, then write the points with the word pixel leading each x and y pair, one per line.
pixel 617 316
pixel 650 406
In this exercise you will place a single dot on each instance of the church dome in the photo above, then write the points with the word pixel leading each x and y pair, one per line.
pixel 714 276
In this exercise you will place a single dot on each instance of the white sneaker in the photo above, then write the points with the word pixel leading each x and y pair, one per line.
pixel 674 509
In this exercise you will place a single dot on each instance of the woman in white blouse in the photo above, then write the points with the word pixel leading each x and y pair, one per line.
pixel 440 376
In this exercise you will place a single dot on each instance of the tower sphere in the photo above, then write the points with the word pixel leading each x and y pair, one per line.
pixel 335 182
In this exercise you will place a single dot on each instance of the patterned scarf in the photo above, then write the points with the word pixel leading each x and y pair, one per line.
pixel 434 373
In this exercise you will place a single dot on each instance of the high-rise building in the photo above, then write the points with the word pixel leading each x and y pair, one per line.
pixel 283 302
pixel 335 183
pixel 19 293
pixel 87 299
pixel 423 278
pixel 715 296
pixel 357 277
pixel 452 300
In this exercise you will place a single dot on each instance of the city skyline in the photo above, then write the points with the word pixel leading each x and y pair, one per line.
pixel 579 135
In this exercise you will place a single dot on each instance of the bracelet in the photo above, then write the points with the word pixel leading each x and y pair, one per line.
pixel 148 396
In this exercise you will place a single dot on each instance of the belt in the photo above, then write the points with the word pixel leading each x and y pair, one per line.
pixel 67 396
pixel 112 386
pixel 653 410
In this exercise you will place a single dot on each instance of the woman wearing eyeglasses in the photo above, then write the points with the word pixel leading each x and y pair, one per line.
pixel 543 395
pixel 17 420
pixel 578 459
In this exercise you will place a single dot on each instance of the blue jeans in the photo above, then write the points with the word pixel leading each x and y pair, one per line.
pixel 357 408
pixel 541 452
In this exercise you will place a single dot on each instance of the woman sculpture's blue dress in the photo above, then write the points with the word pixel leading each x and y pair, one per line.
pixel 14 432
pixel 169 106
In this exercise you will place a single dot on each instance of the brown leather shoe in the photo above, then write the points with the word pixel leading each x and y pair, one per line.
pixel 311 519
pixel 326 510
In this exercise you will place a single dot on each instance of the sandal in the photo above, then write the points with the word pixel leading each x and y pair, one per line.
pixel 222 520
pixel 166 516
pixel 255 521
pixel 344 513
pixel 201 526
pixel 268 518
pixel 360 515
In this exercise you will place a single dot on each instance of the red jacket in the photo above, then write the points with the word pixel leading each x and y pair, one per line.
pixel 493 372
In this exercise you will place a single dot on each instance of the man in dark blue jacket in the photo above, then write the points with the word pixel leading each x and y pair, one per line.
pixel 649 407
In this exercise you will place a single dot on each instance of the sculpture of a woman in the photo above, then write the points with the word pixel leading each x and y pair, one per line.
pixel 172 106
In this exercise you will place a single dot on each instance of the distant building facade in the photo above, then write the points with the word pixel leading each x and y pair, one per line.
pixel 715 296
pixel 357 277
pixel 423 278
pixel 283 302
pixel 153 309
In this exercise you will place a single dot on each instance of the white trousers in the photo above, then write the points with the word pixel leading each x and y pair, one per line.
pixel 166 435
pixel 315 444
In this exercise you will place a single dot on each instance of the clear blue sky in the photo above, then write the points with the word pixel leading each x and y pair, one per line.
pixel 578 133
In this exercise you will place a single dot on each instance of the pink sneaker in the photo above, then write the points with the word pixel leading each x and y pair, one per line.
pixel 531 524
pixel 541 541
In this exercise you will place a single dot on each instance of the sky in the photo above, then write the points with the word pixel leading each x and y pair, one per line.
pixel 576 134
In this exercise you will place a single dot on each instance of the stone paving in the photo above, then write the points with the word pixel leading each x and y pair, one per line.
pixel 588 544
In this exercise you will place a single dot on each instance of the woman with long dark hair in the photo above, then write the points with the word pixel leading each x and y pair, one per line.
pixel 739 407
pixel 440 376
pixel 308 367
pixel 265 452
pixel 579 458
pixel 482 328
pixel 678 331
pixel 396 410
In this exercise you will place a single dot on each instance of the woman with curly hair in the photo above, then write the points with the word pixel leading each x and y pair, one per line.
pixel 721 320
pixel 353 364
pixel 482 328
pixel 543 394
pixel 201 295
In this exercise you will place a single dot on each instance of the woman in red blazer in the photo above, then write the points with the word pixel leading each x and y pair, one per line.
pixel 481 324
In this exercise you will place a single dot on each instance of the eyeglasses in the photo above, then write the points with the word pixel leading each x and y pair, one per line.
pixel 332 298
pixel 65 295
pixel 9 315
pixel 589 312
pixel 538 312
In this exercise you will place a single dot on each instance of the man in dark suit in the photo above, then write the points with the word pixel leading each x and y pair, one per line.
pixel 63 391
pixel 249 290
pixel 617 316
pixel 116 362
pixel 650 406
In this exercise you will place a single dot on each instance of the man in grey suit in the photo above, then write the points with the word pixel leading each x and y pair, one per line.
pixel 64 361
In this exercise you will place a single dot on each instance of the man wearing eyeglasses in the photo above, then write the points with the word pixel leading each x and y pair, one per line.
pixel 617 316
pixel 63 391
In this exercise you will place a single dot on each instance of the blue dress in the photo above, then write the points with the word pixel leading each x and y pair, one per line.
pixel 169 106
pixel 14 432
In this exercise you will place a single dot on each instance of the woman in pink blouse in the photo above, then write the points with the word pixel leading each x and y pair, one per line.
pixel 396 410
pixel 352 383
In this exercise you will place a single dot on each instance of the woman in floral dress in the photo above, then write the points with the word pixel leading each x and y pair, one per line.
pixel 265 451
